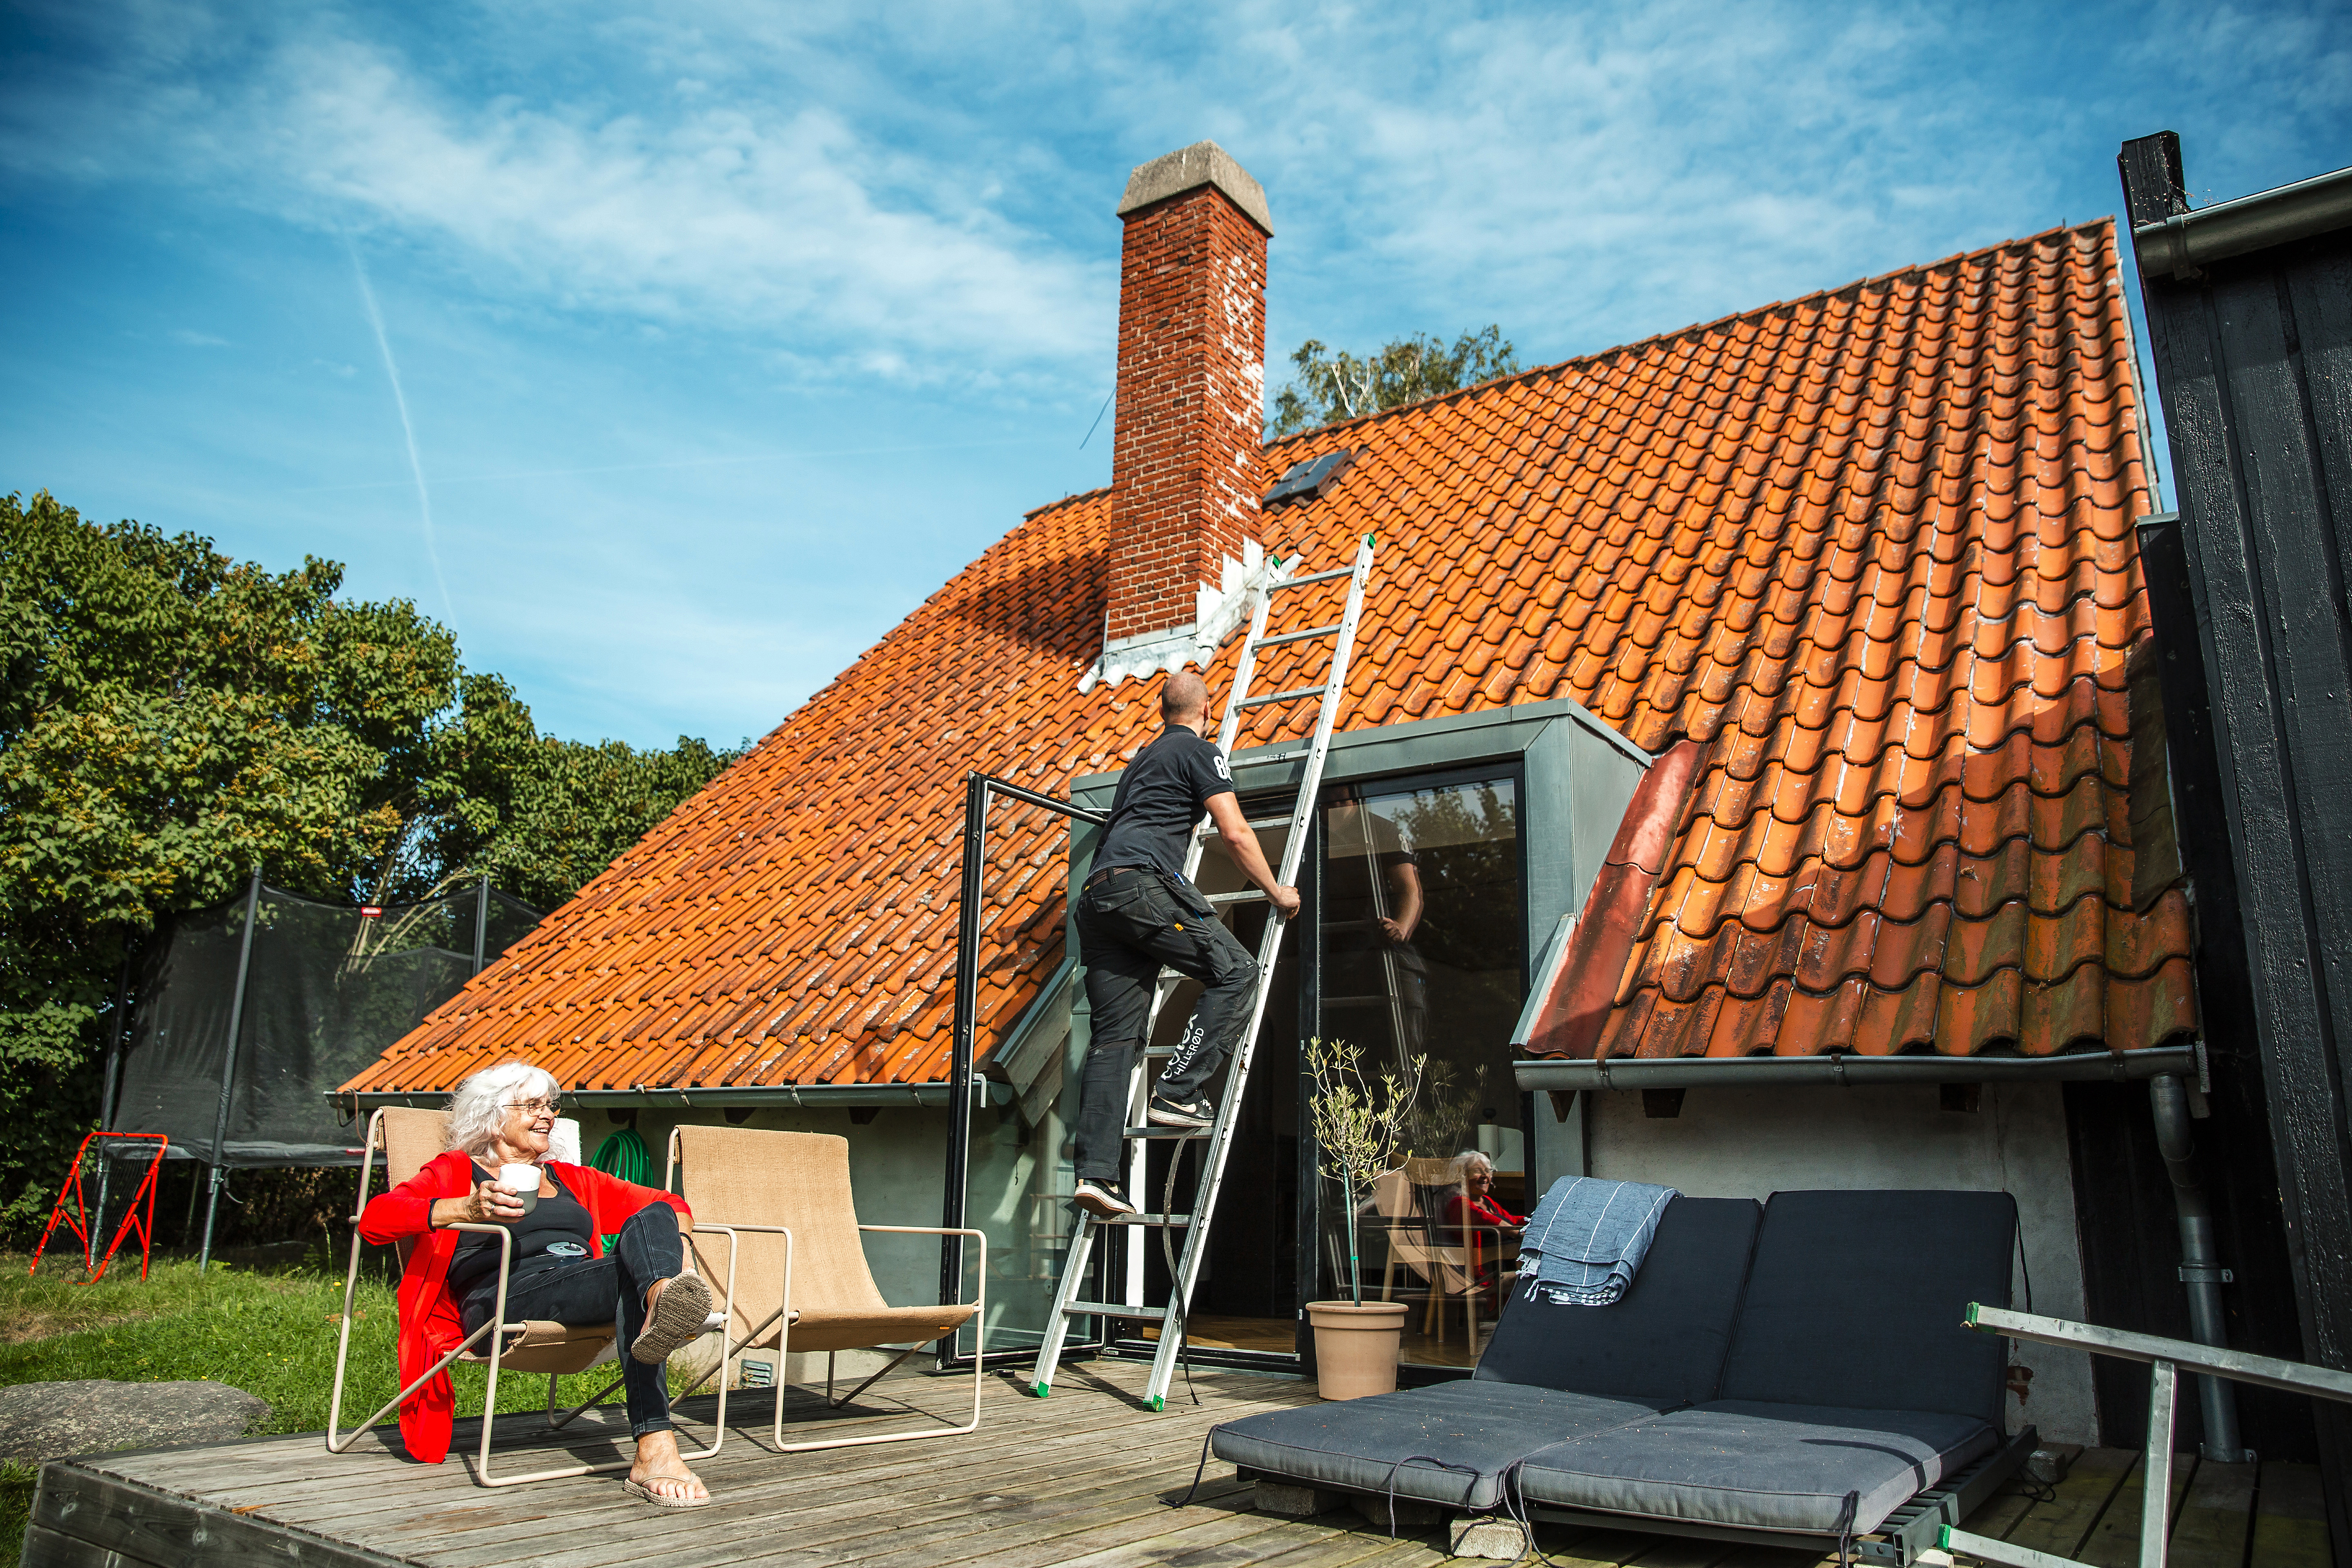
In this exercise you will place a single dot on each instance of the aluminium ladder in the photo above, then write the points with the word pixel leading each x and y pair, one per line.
pixel 1068 1303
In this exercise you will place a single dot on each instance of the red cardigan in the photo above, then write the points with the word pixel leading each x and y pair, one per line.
pixel 429 1326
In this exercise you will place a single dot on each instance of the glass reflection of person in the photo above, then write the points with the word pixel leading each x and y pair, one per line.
pixel 1371 846
pixel 1475 1222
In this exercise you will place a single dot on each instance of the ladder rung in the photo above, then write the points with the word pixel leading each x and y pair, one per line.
pixel 1330 576
pixel 1112 1309
pixel 1173 1221
pixel 1207 828
pixel 1168 1131
pixel 1297 637
pixel 1157 1051
pixel 1247 895
pixel 1290 696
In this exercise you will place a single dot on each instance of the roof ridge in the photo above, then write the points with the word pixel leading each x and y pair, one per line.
pixel 1958 256
pixel 1070 500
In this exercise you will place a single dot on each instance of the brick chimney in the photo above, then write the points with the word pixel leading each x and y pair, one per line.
pixel 1192 394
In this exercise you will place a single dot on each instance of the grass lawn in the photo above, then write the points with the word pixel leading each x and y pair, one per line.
pixel 270 1334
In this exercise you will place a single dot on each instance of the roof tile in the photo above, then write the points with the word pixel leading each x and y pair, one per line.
pixel 1871 550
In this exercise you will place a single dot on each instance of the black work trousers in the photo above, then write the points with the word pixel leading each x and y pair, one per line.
pixel 1131 922
pixel 580 1292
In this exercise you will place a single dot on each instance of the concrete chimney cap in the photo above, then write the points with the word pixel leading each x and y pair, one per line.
pixel 1188 168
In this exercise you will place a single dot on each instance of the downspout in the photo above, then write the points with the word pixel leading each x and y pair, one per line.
pixel 2201 1268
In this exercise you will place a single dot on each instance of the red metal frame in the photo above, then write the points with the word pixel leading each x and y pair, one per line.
pixel 78 1218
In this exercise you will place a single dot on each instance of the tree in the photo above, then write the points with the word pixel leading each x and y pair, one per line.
pixel 1334 385
pixel 170 717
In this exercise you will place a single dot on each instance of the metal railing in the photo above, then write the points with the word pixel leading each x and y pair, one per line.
pixel 2167 1360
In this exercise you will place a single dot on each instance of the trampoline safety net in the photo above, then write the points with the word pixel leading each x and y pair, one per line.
pixel 328 989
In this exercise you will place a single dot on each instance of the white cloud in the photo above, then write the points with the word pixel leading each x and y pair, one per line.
pixel 189 339
pixel 779 218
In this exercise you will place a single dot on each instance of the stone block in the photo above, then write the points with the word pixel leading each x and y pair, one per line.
pixel 53 1420
pixel 1484 1535
pixel 1293 1503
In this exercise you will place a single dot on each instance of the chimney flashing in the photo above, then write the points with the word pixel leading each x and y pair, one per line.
pixel 1218 612
pixel 1189 168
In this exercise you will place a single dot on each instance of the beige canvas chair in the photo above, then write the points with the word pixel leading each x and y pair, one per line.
pixel 1411 1203
pixel 801 1281
pixel 409 1140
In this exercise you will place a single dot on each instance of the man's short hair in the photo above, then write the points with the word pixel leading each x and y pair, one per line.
pixel 1185 694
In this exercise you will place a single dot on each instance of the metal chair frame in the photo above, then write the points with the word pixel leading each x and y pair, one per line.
pixel 338 1443
pixel 781 1319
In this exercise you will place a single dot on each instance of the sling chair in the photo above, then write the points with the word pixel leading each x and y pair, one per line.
pixel 409 1140
pixel 783 1198
pixel 1411 1203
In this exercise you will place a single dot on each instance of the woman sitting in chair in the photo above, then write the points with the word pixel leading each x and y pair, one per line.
pixel 560 1272
pixel 1475 1221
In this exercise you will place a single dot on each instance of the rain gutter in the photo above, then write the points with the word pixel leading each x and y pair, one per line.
pixel 2183 242
pixel 726 1097
pixel 1847 1070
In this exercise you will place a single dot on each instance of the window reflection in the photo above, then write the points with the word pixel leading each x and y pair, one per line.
pixel 1421 956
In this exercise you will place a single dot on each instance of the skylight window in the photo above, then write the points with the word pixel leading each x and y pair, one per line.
pixel 1311 479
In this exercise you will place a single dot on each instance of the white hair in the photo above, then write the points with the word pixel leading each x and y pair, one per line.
pixel 478 1108
pixel 1472 1159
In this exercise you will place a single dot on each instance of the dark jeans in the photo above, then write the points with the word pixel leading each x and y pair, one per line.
pixel 1131 922
pixel 583 1291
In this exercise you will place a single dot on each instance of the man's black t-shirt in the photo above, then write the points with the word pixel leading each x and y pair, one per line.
pixel 1163 794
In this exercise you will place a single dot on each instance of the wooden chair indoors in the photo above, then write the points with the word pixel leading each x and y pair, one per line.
pixel 408 1139
pixel 785 1200
pixel 1413 1200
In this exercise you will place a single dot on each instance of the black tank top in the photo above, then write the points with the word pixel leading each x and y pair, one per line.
pixel 555 1232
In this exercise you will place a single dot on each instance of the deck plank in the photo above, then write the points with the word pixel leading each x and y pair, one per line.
pixel 1595 1548
pixel 2290 1518
pixel 2113 1540
pixel 1087 1480
pixel 2060 1525
pixel 742 1466
pixel 2000 1512
pixel 828 1529
pixel 2209 1530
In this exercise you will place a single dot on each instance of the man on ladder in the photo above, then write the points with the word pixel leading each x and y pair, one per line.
pixel 1138 914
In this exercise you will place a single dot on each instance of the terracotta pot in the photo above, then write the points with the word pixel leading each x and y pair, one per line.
pixel 1356 1347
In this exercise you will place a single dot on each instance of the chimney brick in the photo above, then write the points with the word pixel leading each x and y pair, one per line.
pixel 1191 387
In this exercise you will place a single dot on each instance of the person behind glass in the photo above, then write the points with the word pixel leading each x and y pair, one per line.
pixel 1136 913
pixel 1475 1221
pixel 501 1118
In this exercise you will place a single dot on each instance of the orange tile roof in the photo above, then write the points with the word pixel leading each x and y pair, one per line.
pixel 1873 549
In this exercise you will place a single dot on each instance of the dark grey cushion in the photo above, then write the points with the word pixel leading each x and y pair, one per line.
pixel 1759 1467
pixel 1358 1442
pixel 1856 1301
pixel 1664 1341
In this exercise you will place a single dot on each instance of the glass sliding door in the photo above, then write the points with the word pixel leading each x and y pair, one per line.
pixel 1247 1297
pixel 1422 960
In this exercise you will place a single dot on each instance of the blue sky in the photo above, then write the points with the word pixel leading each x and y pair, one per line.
pixel 724 333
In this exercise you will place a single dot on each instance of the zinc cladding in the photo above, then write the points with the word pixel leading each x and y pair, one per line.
pixel 1872 548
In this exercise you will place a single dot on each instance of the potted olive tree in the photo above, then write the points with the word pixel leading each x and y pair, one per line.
pixel 1360 1133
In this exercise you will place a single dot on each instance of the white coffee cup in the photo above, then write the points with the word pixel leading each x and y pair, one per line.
pixel 523 1181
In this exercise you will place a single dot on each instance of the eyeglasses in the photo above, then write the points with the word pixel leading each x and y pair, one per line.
pixel 534 1109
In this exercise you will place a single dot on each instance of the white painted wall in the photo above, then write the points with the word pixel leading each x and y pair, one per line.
pixel 1752 1142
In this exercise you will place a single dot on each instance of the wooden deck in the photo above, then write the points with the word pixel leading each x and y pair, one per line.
pixel 1088 1478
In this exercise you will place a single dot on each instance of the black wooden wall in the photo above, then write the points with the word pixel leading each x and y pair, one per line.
pixel 2254 363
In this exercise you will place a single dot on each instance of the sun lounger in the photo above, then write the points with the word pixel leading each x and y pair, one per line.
pixel 1549 1373
pixel 1802 1382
